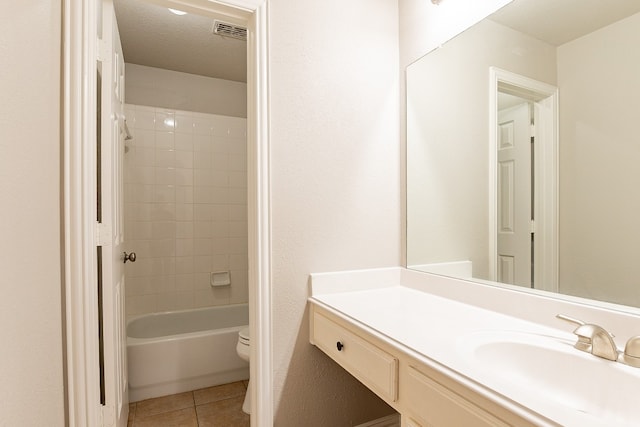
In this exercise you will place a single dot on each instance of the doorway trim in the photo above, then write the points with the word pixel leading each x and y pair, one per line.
pixel 546 172
pixel 80 51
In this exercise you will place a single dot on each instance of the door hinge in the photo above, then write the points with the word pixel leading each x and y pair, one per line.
pixel 532 226
pixel 103 234
pixel 103 51
pixel 533 130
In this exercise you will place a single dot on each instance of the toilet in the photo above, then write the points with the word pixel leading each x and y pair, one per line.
pixel 243 351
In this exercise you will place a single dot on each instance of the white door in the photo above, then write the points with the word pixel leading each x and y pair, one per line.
pixel 514 196
pixel 114 387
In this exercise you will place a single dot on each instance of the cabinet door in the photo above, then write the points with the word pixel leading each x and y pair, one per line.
pixel 431 404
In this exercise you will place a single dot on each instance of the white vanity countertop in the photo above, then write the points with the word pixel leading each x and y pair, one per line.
pixel 441 332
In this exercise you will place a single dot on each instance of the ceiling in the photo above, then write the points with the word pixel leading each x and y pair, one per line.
pixel 560 21
pixel 153 36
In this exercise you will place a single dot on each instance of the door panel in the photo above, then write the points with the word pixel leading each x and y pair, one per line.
pixel 514 196
pixel 116 405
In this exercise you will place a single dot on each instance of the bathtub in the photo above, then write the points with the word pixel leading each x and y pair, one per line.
pixel 184 350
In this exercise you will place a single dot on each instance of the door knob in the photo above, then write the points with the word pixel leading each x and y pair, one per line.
pixel 129 257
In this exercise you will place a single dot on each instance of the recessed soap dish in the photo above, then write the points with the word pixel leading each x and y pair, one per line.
pixel 220 278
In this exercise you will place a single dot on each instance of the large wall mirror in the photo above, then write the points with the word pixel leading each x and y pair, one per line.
pixel 523 151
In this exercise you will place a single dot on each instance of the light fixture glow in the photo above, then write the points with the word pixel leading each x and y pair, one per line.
pixel 177 12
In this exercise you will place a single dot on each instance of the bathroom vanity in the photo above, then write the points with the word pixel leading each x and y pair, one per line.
pixel 443 352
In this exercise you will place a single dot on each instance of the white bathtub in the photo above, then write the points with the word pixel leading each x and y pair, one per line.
pixel 184 350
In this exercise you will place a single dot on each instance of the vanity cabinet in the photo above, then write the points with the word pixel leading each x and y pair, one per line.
pixel 358 354
pixel 423 396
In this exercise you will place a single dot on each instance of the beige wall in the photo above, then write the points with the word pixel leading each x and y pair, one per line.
pixel 448 140
pixel 182 91
pixel 335 183
pixel 31 376
pixel 600 154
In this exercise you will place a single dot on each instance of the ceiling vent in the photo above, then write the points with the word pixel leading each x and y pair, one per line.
pixel 225 29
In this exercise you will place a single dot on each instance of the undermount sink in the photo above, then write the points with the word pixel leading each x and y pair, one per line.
pixel 554 371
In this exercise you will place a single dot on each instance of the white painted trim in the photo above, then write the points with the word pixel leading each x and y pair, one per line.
pixel 259 204
pixel 79 130
pixel 546 176
pixel 79 127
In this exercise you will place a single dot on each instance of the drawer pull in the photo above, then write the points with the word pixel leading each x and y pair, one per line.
pixel 339 346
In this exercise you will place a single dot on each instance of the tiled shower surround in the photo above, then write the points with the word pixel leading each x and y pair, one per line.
pixel 185 209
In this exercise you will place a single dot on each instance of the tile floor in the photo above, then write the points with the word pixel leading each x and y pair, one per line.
pixel 219 406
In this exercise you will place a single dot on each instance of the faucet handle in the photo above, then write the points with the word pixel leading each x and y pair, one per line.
pixel 631 354
pixel 570 319
pixel 585 332
pixel 584 338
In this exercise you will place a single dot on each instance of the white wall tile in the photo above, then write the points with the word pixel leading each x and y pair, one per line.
pixel 220 262
pixel 141 304
pixel 165 121
pixel 238 262
pixel 202 281
pixel 184 299
pixel 183 142
pixel 237 162
pixel 221 161
pixel 202 144
pixel 202 126
pixel 183 159
pixel 165 140
pixel 184 247
pixel 163 212
pixel 238 179
pixel 219 178
pixel 144 120
pixel 203 161
pixel 202 263
pixel 184 123
pixel 202 246
pixel 165 176
pixel 184 282
pixel 203 229
pixel 184 212
pixel 184 193
pixel 184 229
pixel 164 230
pixel 220 229
pixel 164 193
pixel 185 209
pixel 223 212
pixel 165 158
pixel 184 265
pixel 184 177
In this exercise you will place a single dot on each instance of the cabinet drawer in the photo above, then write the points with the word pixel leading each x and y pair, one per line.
pixel 435 405
pixel 374 367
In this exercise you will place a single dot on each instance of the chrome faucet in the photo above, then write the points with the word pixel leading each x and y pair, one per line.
pixel 593 339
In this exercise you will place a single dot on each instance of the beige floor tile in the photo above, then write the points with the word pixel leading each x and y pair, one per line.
pixel 132 411
pixel 223 413
pixel 220 392
pixel 159 405
pixel 180 418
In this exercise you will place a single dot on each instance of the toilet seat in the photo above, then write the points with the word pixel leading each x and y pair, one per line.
pixel 243 336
